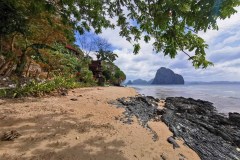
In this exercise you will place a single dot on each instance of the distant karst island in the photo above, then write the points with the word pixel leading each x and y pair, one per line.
pixel 163 76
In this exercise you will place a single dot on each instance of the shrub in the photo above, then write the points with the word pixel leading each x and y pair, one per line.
pixel 35 88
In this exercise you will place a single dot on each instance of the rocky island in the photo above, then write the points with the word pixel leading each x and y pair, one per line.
pixel 167 76
pixel 137 82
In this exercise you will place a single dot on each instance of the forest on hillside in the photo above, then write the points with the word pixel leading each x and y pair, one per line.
pixel 38 53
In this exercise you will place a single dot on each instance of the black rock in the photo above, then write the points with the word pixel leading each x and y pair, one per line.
pixel 145 108
pixel 210 134
pixel 235 118
pixel 167 76
pixel 173 142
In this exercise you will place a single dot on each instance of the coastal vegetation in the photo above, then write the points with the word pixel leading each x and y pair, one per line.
pixel 48 47
pixel 38 53
pixel 37 38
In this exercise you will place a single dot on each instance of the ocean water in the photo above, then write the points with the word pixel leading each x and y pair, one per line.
pixel 225 97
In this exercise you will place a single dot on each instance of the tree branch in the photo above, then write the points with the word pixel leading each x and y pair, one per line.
pixel 186 53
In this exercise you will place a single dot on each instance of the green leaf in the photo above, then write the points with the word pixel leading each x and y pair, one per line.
pixel 136 48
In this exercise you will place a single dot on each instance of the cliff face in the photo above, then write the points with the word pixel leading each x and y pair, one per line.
pixel 129 82
pixel 167 76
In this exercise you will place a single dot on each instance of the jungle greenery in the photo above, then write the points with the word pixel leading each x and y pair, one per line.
pixel 34 32
pixel 35 88
pixel 172 24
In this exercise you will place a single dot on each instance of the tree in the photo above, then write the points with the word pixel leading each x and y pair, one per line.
pixel 42 35
pixel 172 24
pixel 112 73
pixel 27 28
pixel 106 55
pixel 120 76
pixel 87 42
pixel 90 42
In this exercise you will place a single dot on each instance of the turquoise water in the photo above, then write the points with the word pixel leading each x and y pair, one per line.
pixel 226 98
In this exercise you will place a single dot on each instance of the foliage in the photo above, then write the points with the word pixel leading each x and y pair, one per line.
pixel 38 31
pixel 92 43
pixel 12 19
pixel 59 60
pixel 112 73
pixel 86 76
pixel 35 88
pixel 106 55
pixel 173 25
pixel 62 62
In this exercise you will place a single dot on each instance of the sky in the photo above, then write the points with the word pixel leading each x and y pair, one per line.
pixel 223 51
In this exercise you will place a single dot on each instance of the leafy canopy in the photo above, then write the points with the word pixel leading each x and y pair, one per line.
pixel 173 25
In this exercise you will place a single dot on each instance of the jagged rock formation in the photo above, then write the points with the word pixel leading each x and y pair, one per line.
pixel 208 133
pixel 145 108
pixel 150 81
pixel 129 82
pixel 167 76
pixel 211 135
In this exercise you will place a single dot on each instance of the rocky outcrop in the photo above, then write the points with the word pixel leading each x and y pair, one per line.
pixel 150 81
pixel 167 76
pixel 137 82
pixel 210 134
pixel 145 108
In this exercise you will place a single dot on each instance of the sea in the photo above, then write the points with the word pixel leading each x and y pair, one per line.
pixel 225 97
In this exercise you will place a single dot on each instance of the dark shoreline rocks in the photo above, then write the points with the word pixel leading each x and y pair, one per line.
pixel 211 135
pixel 143 107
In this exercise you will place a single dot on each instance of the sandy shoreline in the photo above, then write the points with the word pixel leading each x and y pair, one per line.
pixel 86 127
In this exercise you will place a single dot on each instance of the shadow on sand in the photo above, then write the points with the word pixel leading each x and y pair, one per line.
pixel 49 130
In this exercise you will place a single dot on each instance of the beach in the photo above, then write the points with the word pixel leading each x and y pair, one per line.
pixel 82 125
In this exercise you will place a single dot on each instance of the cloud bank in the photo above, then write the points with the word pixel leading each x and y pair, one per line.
pixel 223 51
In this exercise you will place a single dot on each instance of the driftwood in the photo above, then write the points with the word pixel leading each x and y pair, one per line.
pixel 10 135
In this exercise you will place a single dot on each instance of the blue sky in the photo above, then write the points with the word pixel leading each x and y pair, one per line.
pixel 223 51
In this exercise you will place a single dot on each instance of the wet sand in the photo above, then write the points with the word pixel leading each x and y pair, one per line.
pixel 86 127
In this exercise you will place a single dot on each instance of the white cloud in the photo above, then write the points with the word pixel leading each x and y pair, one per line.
pixel 221 51
pixel 225 26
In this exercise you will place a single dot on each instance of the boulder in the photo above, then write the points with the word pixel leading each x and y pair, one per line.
pixel 207 132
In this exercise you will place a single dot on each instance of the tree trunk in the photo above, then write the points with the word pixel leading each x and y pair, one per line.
pixel 27 72
pixel 1 41
pixel 21 64
pixel 4 67
pixel 12 42
pixel 9 70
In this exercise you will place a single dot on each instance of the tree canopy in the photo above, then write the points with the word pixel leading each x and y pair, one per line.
pixel 173 25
